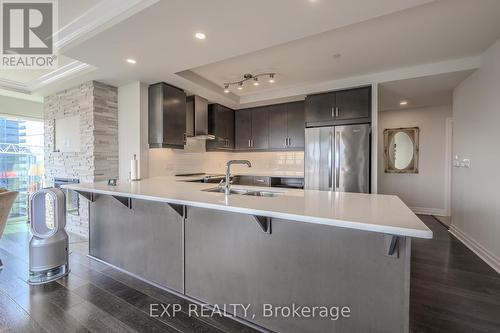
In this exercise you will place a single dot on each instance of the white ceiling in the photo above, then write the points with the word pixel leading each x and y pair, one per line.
pixel 425 34
pixel 161 39
pixel 25 76
pixel 69 10
pixel 295 38
pixel 22 79
pixel 435 90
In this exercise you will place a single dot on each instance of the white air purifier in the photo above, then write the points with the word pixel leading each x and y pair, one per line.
pixel 48 251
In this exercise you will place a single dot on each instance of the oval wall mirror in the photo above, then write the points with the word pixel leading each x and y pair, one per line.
pixel 401 150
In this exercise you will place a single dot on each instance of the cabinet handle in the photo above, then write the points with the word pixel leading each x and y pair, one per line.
pixel 184 138
pixel 289 142
pixel 333 112
pixel 252 143
pixel 338 138
pixel 249 145
pixel 337 112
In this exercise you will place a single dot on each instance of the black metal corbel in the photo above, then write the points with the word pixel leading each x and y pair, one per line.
pixel 180 209
pixel 126 201
pixel 87 195
pixel 392 245
pixel 264 223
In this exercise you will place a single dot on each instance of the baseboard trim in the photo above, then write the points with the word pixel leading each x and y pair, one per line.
pixel 488 257
pixel 429 211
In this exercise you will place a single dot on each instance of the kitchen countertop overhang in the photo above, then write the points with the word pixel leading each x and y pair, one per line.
pixel 369 212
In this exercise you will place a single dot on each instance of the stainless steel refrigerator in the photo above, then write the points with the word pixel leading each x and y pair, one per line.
pixel 337 158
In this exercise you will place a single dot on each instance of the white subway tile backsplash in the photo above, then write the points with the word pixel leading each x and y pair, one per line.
pixel 194 158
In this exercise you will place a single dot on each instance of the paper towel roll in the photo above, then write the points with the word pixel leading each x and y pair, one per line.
pixel 134 169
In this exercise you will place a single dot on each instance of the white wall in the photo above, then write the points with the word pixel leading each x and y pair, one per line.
pixel 425 192
pixel 476 135
pixel 133 127
pixel 15 107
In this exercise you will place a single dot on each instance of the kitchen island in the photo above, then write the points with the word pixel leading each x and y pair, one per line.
pixel 271 253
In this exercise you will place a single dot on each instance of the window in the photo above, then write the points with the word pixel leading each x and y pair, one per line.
pixel 21 161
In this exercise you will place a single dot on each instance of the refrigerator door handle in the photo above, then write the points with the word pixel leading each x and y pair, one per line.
pixel 330 163
pixel 338 137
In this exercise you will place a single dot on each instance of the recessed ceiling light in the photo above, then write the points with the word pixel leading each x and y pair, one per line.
pixel 403 103
pixel 131 61
pixel 200 35
pixel 255 81
pixel 271 78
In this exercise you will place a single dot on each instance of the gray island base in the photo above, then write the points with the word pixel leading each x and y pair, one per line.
pixel 270 266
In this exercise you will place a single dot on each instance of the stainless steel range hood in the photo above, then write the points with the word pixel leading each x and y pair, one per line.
pixel 197 118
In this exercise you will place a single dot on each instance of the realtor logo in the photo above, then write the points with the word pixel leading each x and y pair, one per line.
pixel 27 37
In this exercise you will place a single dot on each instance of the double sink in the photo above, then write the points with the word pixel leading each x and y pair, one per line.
pixel 241 191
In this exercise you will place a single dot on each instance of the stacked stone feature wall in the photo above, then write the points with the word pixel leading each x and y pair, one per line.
pixel 97 105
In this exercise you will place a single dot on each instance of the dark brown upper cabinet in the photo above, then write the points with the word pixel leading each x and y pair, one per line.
pixel 286 126
pixel 296 125
pixel 243 129
pixel 221 126
pixel 260 128
pixel 320 108
pixel 350 106
pixel 278 128
pixel 252 128
pixel 353 104
pixel 166 116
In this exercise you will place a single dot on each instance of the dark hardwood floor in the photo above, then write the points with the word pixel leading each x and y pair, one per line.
pixel 452 290
pixel 93 298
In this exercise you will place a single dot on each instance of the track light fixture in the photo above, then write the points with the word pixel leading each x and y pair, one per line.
pixel 247 77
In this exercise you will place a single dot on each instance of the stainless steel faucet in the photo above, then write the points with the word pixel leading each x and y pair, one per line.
pixel 227 185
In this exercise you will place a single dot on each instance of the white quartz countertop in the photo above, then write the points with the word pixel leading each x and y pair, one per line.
pixel 369 212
